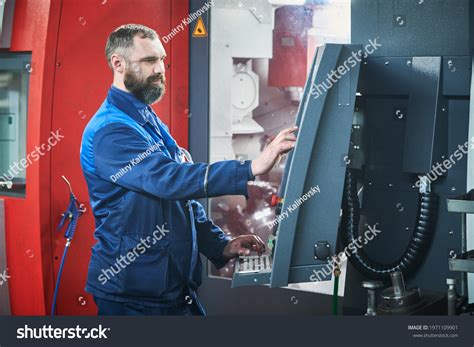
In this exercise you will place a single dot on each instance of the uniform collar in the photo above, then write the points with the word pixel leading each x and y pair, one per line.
pixel 130 105
pixel 127 103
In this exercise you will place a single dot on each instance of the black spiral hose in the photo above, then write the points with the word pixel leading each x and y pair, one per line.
pixel 416 249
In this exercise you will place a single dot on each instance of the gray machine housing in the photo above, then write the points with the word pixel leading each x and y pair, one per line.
pixel 318 163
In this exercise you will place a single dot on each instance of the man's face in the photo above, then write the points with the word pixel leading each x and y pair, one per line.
pixel 145 70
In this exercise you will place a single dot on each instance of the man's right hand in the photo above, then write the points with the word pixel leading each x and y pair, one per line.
pixel 283 143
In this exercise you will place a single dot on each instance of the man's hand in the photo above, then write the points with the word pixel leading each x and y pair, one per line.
pixel 243 245
pixel 283 143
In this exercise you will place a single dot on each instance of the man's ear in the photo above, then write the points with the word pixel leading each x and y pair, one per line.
pixel 117 63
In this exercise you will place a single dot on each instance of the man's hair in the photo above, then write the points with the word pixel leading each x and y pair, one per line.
pixel 121 39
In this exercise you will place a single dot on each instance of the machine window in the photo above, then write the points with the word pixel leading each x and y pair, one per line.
pixel 14 79
pixel 266 67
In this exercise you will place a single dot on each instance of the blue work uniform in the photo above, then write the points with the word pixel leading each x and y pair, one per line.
pixel 148 226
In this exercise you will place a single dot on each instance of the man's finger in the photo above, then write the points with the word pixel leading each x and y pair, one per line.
pixel 261 244
pixel 244 251
pixel 285 147
pixel 288 131
pixel 283 133
pixel 258 242
pixel 288 137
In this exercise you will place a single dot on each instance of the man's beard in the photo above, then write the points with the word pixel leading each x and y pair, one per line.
pixel 147 90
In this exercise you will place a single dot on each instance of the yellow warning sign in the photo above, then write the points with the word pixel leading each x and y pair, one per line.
pixel 200 29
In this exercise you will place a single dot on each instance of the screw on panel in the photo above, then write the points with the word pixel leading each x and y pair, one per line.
pixel 451 66
pixel 399 20
pixel 399 114
pixel 345 160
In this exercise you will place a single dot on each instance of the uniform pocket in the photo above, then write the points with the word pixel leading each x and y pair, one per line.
pixel 146 274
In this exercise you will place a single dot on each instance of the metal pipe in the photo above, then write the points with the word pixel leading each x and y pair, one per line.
pixel 398 283
pixel 452 296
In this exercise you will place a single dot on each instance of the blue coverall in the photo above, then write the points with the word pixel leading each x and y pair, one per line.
pixel 143 198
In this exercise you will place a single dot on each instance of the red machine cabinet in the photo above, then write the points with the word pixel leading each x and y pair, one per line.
pixel 288 67
pixel 69 81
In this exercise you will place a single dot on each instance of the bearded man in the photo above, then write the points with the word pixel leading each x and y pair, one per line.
pixel 143 188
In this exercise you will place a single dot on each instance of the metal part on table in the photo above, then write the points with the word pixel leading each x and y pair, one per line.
pixel 452 296
pixel 398 283
pixel 397 299
pixel 371 287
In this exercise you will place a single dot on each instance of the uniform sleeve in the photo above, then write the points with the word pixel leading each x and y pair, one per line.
pixel 124 157
pixel 211 239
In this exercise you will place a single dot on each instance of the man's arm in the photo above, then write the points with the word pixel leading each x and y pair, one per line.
pixel 120 156
pixel 218 247
pixel 211 239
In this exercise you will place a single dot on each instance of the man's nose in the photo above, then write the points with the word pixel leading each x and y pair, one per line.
pixel 159 68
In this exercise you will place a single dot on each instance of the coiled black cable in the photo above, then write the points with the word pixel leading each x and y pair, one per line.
pixel 416 249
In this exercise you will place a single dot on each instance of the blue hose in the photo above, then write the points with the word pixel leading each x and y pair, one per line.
pixel 58 280
pixel 73 212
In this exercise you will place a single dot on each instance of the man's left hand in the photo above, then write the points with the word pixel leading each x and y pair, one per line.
pixel 243 245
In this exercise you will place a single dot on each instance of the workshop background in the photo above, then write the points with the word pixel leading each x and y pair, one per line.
pixel 237 74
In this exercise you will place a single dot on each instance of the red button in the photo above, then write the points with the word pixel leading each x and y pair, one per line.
pixel 275 200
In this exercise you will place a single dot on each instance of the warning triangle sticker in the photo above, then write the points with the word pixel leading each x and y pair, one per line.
pixel 200 29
